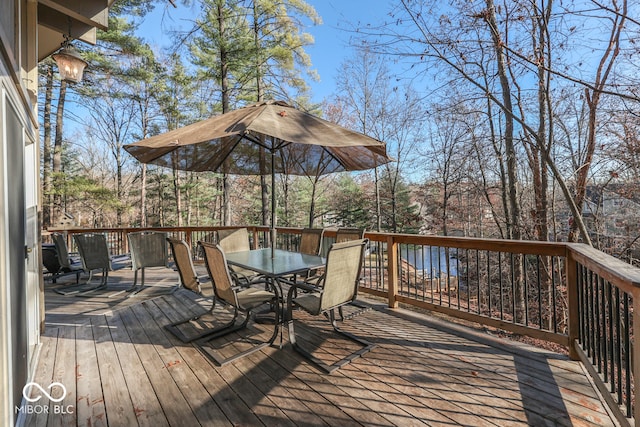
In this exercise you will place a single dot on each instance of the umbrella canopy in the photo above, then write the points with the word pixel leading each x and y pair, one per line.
pixel 297 143
pixel 303 144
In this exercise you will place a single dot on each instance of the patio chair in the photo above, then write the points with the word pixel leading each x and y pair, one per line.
pixel 234 240
pixel 94 254
pixel 59 261
pixel 237 240
pixel 241 301
pixel 311 240
pixel 346 234
pixel 310 244
pixel 338 287
pixel 184 264
pixel 189 280
pixel 148 249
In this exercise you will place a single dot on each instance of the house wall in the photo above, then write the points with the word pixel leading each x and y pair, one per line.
pixel 20 284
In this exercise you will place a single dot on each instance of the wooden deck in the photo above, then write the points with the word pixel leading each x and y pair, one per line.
pixel 121 367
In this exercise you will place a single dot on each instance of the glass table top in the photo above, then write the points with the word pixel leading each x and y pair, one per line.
pixel 283 262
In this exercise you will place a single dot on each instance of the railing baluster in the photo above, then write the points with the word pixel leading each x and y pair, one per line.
pixel 540 295
pixel 489 283
pixel 467 279
pixel 609 342
pixel 458 277
pixel 618 355
pixel 603 327
pixel 525 283
pixel 575 305
pixel 513 288
pixel 597 320
pixel 392 269
pixel 554 311
pixel 478 304
pixel 627 356
pixel 501 284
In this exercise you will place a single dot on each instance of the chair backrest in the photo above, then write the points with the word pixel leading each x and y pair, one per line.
pixel 184 263
pixel 93 250
pixel 311 240
pixel 234 240
pixel 346 234
pixel 148 249
pixel 60 243
pixel 50 259
pixel 342 274
pixel 216 264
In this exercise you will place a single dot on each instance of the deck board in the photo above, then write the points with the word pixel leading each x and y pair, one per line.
pixel 121 367
pixel 148 409
pixel 90 408
pixel 117 400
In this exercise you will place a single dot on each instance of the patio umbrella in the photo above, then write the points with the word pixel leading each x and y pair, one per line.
pixel 238 142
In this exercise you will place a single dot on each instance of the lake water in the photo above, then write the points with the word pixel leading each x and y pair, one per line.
pixel 430 259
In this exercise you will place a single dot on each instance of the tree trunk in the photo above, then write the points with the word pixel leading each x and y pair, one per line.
pixel 312 206
pixel 514 217
pixel 57 149
pixel 178 196
pixel 143 196
pixel 593 99
pixel 47 207
pixel 119 192
pixel 264 187
pixel 188 198
pixel 224 87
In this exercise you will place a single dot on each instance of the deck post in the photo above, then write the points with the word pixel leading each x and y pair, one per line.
pixel 573 305
pixel 392 270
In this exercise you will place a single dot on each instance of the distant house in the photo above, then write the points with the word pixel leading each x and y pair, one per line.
pixel 611 213
pixel 30 30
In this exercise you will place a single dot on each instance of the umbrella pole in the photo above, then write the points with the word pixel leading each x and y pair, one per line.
pixel 273 204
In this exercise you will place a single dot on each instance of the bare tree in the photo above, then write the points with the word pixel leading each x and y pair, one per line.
pixel 113 120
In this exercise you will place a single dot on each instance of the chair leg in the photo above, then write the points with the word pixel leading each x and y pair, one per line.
pixel 212 354
pixel 363 309
pixel 204 335
pixel 103 284
pixel 85 288
pixel 135 289
pixel 367 346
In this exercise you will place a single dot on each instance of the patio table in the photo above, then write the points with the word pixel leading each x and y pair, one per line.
pixel 282 264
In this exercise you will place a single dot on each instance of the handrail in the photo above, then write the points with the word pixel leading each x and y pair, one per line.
pixel 566 293
pixel 605 295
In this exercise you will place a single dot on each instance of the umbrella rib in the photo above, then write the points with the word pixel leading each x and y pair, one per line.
pixel 265 146
pixel 254 140
pixel 336 158
pixel 226 156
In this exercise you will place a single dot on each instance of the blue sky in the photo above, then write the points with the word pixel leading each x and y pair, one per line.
pixel 331 39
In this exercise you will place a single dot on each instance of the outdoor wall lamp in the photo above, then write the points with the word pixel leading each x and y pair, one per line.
pixel 70 64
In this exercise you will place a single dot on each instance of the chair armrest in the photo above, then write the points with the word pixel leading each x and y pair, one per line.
pixel 306 287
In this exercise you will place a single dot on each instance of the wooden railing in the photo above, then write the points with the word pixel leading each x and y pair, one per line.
pixel 569 294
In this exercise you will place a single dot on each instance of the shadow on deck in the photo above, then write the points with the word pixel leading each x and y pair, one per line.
pixel 121 367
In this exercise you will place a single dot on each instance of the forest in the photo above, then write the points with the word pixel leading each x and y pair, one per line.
pixel 514 119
